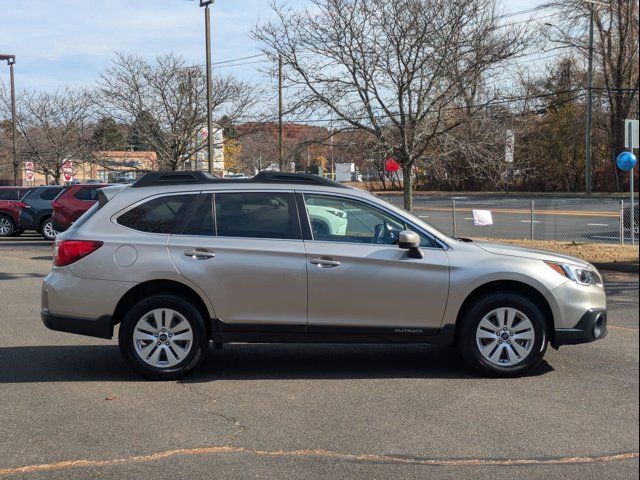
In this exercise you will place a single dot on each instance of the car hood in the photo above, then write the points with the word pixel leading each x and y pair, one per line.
pixel 515 251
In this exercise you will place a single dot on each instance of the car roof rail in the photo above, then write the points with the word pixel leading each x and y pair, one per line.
pixel 157 179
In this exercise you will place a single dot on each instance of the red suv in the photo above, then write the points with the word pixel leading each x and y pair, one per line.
pixel 10 210
pixel 72 203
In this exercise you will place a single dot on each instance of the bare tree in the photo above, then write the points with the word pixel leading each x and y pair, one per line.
pixel 53 127
pixel 615 60
pixel 165 103
pixel 394 69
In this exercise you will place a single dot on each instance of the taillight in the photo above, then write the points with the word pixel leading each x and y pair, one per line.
pixel 67 252
pixel 17 204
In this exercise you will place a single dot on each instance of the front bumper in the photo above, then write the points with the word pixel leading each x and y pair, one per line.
pixel 591 327
pixel 101 327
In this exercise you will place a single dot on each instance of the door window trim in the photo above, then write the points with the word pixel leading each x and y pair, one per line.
pixel 309 234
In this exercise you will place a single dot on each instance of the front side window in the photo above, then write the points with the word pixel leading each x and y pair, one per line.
pixel 254 215
pixel 338 219
pixel 159 215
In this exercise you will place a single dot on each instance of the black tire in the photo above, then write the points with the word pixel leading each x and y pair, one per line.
pixel 199 347
pixel 7 226
pixel 468 346
pixel 17 232
pixel 46 226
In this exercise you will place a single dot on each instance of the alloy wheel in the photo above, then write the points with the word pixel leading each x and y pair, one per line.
pixel 505 336
pixel 162 338
pixel 5 227
pixel 48 230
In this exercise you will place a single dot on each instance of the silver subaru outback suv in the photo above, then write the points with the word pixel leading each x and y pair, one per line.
pixel 182 260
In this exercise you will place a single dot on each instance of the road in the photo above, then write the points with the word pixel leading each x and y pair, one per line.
pixel 70 409
pixel 564 219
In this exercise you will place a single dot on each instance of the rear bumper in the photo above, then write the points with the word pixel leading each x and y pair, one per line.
pixel 591 327
pixel 101 327
pixel 58 226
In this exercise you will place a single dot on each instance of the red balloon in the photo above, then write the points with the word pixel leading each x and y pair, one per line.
pixel 391 165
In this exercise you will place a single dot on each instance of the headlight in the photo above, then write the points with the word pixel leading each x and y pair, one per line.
pixel 580 275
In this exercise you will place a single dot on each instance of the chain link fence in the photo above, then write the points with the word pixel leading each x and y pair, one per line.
pixel 578 220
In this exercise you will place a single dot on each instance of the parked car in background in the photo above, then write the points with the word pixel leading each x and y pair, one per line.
pixel 36 210
pixel 10 210
pixel 72 203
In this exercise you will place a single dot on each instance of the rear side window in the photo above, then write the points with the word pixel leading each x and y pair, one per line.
pixel 8 194
pixel 201 222
pixel 254 215
pixel 87 194
pixel 50 193
pixel 159 215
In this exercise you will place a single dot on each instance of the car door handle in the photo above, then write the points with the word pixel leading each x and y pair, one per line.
pixel 325 263
pixel 199 254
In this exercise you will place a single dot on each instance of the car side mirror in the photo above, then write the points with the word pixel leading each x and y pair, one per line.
pixel 408 240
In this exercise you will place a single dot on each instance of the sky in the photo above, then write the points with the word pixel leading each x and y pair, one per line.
pixel 69 42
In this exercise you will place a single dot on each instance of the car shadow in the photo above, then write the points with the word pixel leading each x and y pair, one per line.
pixel 83 363
pixel 16 276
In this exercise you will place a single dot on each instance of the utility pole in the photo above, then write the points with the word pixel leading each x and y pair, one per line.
pixel 588 149
pixel 11 60
pixel 333 173
pixel 280 153
pixel 207 33
pixel 260 149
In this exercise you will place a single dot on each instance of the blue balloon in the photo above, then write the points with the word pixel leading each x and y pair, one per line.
pixel 626 161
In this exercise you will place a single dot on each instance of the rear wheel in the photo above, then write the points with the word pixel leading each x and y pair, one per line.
pixel 7 227
pixel 163 337
pixel 503 335
pixel 47 230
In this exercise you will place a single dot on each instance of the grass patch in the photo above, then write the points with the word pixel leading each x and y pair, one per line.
pixel 597 253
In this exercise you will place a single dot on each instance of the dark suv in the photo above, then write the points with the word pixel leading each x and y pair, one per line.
pixel 36 210
pixel 72 203
pixel 9 210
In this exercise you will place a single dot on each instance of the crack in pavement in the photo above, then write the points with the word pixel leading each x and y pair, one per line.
pixel 239 427
pixel 361 458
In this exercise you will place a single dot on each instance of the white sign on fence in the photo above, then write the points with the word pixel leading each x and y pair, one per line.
pixel 482 218
pixel 634 143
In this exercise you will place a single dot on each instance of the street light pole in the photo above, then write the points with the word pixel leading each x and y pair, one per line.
pixel 207 30
pixel 11 60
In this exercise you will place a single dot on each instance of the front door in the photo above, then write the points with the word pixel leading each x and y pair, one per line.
pixel 358 277
pixel 245 251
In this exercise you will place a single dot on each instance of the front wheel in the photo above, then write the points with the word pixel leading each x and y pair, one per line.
pixel 163 337
pixel 47 230
pixel 503 335
pixel 7 227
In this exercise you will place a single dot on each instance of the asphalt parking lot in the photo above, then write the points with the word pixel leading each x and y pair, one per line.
pixel 70 408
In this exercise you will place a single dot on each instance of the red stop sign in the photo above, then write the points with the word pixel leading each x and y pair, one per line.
pixel 391 165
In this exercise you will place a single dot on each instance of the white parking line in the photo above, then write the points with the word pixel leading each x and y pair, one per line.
pixel 597 224
pixel 529 221
pixel 423 216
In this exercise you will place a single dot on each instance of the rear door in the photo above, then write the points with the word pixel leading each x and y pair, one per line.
pixel 359 277
pixel 245 250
